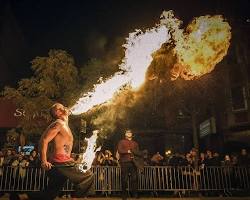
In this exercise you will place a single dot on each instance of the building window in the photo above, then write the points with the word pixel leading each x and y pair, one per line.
pixel 240 117
pixel 239 100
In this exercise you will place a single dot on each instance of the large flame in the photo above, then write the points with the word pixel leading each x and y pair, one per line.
pixel 201 47
pixel 138 56
pixel 88 156
pixel 198 50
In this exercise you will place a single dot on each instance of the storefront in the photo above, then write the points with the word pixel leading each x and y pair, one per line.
pixel 8 118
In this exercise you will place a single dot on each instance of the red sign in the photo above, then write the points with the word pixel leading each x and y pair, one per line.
pixel 7 114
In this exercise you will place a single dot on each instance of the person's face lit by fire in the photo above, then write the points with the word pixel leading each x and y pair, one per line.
pixel 209 154
pixel 243 152
pixel 202 156
pixel 9 153
pixel 59 111
pixel 227 158
pixel 129 135
pixel 33 153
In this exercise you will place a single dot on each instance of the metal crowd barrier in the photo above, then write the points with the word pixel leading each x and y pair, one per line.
pixel 151 178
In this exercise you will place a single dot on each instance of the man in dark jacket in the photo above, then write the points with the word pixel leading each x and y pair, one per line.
pixel 128 150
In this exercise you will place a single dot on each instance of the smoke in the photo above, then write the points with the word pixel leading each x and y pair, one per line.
pixel 114 114
pixel 109 51
pixel 130 108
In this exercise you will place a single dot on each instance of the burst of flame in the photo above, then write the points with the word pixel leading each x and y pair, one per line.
pixel 88 156
pixel 201 47
pixel 138 56
pixel 204 44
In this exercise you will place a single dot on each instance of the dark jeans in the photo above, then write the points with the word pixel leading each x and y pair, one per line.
pixel 58 175
pixel 129 169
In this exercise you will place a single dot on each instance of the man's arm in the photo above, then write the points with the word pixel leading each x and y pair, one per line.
pixel 48 136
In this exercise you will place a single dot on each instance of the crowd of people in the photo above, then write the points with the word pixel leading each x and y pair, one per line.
pixel 10 157
pixel 20 162
pixel 207 158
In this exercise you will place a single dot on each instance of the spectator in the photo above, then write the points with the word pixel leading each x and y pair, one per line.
pixel 234 160
pixel 227 161
pixel 167 157
pixel 189 160
pixel 23 164
pixel 194 157
pixel 8 158
pixel 15 163
pixel 1 163
pixel 146 159
pixel 175 160
pixel 243 159
pixel 216 159
pixel 99 159
pixel 34 160
pixel 209 159
pixel 157 159
pixel 202 160
pixel 1 169
pixel 108 159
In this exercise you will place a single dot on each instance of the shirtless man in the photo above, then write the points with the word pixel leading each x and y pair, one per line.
pixel 59 165
pixel 60 135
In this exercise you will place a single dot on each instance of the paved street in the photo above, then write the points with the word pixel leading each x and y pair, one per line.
pixel 151 198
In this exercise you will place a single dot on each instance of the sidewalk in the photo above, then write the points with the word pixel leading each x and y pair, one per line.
pixel 168 198
pixel 5 197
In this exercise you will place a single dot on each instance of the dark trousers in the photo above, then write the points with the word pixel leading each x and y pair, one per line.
pixel 58 175
pixel 129 169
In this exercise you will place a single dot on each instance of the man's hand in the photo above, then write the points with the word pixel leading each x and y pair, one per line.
pixel 46 165
pixel 129 151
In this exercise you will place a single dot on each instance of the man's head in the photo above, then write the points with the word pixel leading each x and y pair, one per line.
pixel 128 134
pixel 58 111
pixel 243 152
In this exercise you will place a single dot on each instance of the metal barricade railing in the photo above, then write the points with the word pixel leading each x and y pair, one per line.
pixel 165 178
pixel 151 178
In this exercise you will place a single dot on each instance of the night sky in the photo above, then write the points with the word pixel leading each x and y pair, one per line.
pixel 29 28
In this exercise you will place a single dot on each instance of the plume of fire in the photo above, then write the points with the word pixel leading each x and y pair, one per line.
pixel 88 156
pixel 201 47
pixel 198 50
pixel 138 56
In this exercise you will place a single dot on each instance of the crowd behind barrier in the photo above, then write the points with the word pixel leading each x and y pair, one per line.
pixel 170 172
pixel 151 178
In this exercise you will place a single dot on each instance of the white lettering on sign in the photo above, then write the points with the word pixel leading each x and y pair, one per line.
pixel 19 112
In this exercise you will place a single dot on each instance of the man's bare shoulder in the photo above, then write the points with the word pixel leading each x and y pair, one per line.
pixel 56 124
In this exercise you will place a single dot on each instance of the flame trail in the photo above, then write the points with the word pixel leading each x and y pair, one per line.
pixel 138 56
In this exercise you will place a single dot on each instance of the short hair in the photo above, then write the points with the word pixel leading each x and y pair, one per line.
pixel 128 131
pixel 52 111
